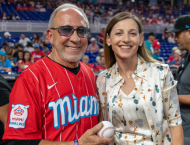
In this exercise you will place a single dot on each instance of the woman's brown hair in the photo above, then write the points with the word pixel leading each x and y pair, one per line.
pixel 108 52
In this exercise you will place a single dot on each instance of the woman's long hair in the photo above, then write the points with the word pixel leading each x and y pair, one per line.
pixel 108 52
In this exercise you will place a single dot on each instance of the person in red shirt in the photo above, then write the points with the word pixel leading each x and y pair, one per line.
pixel 54 101
pixel 102 65
pixel 25 62
pixel 175 58
pixel 25 8
pixel 101 35
pixel 85 60
pixel 32 8
pixel 37 53
pixel 19 8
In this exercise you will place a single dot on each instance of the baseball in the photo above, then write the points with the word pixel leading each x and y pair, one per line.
pixel 107 130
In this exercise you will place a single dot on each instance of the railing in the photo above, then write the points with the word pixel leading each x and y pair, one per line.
pixel 96 25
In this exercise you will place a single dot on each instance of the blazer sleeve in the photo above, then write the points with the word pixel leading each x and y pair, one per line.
pixel 170 101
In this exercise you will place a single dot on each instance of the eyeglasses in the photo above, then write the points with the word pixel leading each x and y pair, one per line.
pixel 68 31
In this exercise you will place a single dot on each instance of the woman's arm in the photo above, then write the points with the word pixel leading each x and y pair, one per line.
pixel 177 135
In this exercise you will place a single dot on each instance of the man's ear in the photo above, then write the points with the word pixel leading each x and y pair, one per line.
pixel 108 40
pixel 188 33
pixel 50 35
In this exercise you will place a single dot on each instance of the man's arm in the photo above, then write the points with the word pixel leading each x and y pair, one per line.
pixel 88 138
pixel 177 135
pixel 184 99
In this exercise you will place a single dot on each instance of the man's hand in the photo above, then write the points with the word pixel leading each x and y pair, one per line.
pixel 89 137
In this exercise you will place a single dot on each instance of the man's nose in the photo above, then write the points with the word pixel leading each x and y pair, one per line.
pixel 74 37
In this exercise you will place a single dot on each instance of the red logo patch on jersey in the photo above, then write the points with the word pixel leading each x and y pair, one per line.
pixel 18 111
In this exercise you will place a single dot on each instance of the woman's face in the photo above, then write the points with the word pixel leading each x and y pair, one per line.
pixel 20 54
pixel 35 36
pixel 26 56
pixel 125 39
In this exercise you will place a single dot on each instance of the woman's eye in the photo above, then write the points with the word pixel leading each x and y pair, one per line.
pixel 133 34
pixel 118 33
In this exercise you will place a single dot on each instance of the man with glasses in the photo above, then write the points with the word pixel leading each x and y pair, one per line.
pixel 182 38
pixel 55 100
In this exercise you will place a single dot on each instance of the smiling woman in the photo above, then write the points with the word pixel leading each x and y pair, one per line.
pixel 136 92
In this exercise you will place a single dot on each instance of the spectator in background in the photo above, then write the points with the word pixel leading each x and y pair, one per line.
pixel 18 8
pixel 102 66
pixel 29 47
pixel 156 49
pixel 19 56
pixel 46 49
pixel 24 8
pixel 154 20
pixel 160 21
pixel 38 6
pixel 165 35
pixel 101 35
pixel 6 48
pixel 37 53
pixel 85 60
pixel 5 64
pixel 12 17
pixel 23 40
pixel 148 42
pixel 25 62
pixel 93 47
pixel 171 38
pixel 20 47
pixel 182 37
pixel 100 54
pixel 175 58
pixel 6 38
pixel 32 8
pixel 44 38
pixel 4 16
pixel 15 49
pixel 37 39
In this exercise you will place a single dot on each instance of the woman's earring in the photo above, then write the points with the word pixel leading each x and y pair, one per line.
pixel 108 44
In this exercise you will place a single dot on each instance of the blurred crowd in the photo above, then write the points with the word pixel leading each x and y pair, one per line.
pixel 160 14
pixel 15 57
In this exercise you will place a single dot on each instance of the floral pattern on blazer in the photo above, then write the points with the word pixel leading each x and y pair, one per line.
pixel 156 91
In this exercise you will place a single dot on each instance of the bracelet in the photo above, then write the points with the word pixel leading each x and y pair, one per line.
pixel 76 142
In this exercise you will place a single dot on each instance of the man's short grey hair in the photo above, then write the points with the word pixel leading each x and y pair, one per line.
pixel 65 6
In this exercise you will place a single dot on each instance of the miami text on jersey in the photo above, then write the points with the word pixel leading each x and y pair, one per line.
pixel 87 108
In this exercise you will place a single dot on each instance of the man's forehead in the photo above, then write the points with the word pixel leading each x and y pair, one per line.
pixel 68 13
